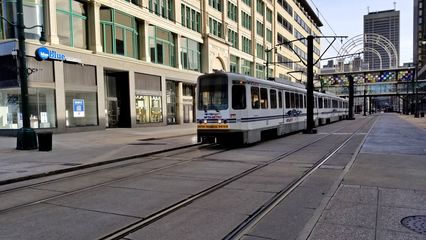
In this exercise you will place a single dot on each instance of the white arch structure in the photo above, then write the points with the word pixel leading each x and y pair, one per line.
pixel 356 45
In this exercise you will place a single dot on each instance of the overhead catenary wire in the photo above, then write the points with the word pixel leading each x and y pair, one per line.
pixel 331 28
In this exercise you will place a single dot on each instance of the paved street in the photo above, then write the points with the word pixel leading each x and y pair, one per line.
pixel 362 191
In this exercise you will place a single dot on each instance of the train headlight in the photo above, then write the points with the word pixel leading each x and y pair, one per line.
pixel 219 121
pixel 205 121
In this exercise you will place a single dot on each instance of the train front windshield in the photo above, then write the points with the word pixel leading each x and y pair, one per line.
pixel 213 93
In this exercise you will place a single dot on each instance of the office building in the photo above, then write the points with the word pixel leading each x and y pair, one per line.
pixel 419 38
pixel 116 63
pixel 385 24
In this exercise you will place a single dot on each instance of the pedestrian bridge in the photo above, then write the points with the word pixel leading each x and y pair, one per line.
pixel 373 83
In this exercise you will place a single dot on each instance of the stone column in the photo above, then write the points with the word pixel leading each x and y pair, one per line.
pixel 177 51
pixel 60 94
pixel 94 27
pixel 132 95
pixel 180 102
pixel 51 27
pixel 100 83
pixel 144 41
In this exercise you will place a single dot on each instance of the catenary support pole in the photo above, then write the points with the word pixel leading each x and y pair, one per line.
pixel 351 97
pixel 310 124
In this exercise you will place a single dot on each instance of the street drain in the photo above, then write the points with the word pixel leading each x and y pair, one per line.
pixel 415 223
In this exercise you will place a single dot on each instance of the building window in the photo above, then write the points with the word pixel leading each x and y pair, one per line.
pixel 298 35
pixel 269 15
pixel 260 71
pixel 80 95
pixel 284 23
pixel 286 6
pixel 233 38
pixel 163 8
pixel 246 45
pixel 260 29
pixel 232 12
pixel 234 64
pixel 269 35
pixel 215 27
pixel 136 2
pixel 33 15
pixel 87 117
pixel 216 4
pixel 260 51
pixel 190 18
pixel 148 109
pixel 284 61
pixel 260 7
pixel 190 54
pixel 282 39
pixel 41 107
pixel 72 23
pixel 119 33
pixel 302 23
pixel 247 2
pixel 246 20
pixel 246 67
pixel 162 46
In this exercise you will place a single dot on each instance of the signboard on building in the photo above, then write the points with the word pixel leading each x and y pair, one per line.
pixel 78 108
pixel 43 53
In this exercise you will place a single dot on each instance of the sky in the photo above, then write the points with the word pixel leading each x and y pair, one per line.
pixel 346 19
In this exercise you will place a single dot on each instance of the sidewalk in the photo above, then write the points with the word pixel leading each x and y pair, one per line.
pixel 386 183
pixel 77 149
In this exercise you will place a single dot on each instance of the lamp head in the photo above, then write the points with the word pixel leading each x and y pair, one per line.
pixel 43 37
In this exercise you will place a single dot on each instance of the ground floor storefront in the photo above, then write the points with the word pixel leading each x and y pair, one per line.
pixel 76 90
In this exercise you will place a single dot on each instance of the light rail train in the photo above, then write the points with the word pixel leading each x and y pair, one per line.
pixel 234 108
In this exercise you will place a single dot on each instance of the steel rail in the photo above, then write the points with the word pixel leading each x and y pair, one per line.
pixel 121 233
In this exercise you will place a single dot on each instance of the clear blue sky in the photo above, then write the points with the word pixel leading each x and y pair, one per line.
pixel 346 18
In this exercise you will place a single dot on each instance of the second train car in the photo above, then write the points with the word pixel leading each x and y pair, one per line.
pixel 234 108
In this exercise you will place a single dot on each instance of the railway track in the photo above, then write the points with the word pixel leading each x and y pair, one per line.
pixel 239 231
pixel 203 151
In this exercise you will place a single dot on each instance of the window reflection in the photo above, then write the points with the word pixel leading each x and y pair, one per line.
pixel 148 109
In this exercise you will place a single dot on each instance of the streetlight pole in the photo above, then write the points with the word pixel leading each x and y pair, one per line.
pixel 26 136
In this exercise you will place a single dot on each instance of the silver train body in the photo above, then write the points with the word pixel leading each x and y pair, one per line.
pixel 234 108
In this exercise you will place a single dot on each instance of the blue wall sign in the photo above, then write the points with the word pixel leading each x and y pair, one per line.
pixel 44 53
pixel 78 108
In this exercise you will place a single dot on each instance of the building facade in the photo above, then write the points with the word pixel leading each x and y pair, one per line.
pixel 419 38
pixel 386 24
pixel 135 63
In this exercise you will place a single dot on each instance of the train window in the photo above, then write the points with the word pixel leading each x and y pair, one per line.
pixel 238 97
pixel 300 102
pixel 280 99
pixel 335 105
pixel 293 100
pixel 320 103
pixel 304 101
pixel 264 98
pixel 213 93
pixel 273 94
pixel 316 102
pixel 287 100
pixel 255 100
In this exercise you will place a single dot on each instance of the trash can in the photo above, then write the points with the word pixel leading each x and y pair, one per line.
pixel 422 114
pixel 45 141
